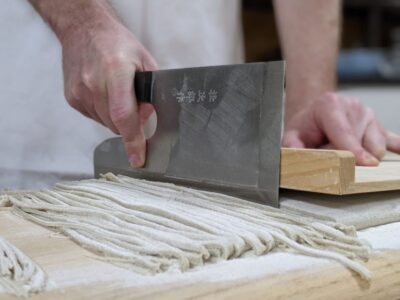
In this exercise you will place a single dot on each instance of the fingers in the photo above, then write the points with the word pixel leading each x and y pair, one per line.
pixel 113 104
pixel 87 103
pixel 392 141
pixel 80 99
pixel 340 133
pixel 337 122
pixel 291 139
pixel 102 108
pixel 328 147
pixel 124 114
pixel 349 142
pixel 358 115
pixel 374 140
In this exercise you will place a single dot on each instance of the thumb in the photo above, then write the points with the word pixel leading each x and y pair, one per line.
pixel 148 119
pixel 125 115
pixel 145 111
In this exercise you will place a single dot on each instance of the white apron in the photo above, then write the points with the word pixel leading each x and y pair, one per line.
pixel 43 140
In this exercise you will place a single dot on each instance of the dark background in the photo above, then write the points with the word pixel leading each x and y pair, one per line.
pixel 366 24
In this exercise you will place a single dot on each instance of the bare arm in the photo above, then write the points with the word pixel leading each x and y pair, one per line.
pixel 100 58
pixel 315 115
pixel 65 16
pixel 309 31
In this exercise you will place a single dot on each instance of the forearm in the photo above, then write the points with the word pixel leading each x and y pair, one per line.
pixel 309 33
pixel 65 16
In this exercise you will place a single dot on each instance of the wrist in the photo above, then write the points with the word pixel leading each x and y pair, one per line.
pixel 304 86
pixel 304 109
pixel 301 95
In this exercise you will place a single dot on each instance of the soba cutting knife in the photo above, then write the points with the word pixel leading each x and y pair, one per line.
pixel 218 128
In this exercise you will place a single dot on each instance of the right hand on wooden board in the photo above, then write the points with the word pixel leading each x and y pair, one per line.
pixel 340 122
pixel 99 67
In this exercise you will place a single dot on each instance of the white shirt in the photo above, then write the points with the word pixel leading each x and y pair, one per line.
pixel 43 140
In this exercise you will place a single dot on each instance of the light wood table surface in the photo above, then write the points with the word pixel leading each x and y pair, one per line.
pixel 59 257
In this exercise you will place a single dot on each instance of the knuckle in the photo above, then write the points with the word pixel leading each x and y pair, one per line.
pixel 331 99
pixel 74 103
pixel 74 91
pixel 369 113
pixel 355 104
pixel 114 61
pixel 89 80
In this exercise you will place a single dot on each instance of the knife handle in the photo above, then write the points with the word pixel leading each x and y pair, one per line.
pixel 143 86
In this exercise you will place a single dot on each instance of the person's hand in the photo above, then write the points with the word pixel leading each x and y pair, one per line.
pixel 339 122
pixel 99 67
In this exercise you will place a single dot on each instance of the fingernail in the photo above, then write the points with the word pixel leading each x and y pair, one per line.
pixel 369 159
pixel 135 160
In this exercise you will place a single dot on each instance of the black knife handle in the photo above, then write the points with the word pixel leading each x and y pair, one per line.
pixel 143 86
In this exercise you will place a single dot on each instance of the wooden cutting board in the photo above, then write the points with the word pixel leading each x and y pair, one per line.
pixel 79 275
pixel 335 172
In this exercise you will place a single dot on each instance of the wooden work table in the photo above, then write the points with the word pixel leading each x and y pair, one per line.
pixel 61 258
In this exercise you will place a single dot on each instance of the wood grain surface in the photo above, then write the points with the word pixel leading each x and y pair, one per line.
pixel 67 265
pixel 335 172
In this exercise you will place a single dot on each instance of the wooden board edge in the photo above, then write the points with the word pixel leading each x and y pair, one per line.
pixel 347 170
pixel 372 187
pixel 317 170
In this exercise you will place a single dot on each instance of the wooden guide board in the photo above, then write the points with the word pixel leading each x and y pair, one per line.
pixel 334 172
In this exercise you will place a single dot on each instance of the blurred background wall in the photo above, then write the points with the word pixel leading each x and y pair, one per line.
pixel 370 35
pixel 369 59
